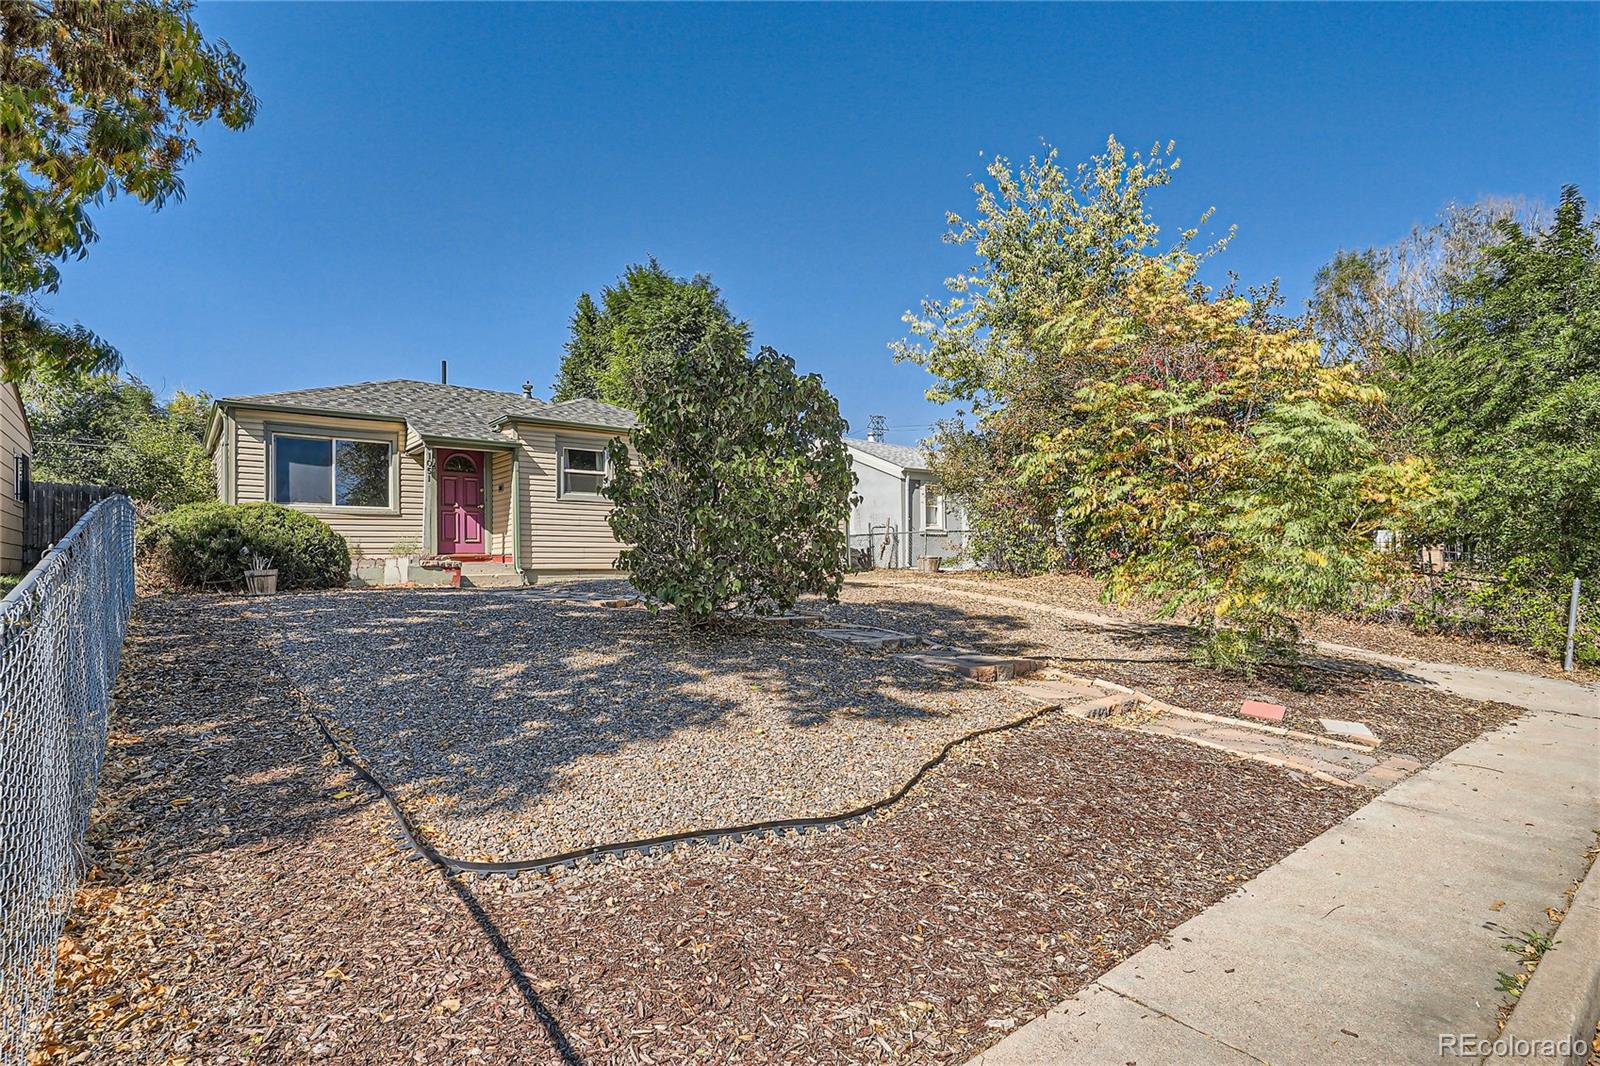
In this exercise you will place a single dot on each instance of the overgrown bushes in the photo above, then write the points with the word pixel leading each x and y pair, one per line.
pixel 208 545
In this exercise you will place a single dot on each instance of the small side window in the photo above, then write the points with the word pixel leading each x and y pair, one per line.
pixel 932 507
pixel 583 471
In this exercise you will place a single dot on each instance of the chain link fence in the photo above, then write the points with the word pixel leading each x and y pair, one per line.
pixel 885 547
pixel 61 634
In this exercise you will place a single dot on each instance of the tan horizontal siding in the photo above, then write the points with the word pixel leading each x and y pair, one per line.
pixel 561 534
pixel 501 490
pixel 368 532
pixel 13 442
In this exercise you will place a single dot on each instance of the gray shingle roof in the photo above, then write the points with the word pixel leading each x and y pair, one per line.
pixel 585 412
pixel 898 454
pixel 435 410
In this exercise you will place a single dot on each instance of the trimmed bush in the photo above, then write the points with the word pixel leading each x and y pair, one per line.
pixel 209 545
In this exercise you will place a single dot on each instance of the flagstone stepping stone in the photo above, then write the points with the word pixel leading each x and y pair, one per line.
pixel 869 638
pixel 1391 771
pixel 1265 712
pixel 977 666
pixel 1355 731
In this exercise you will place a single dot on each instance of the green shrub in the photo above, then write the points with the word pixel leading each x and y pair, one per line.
pixel 1530 605
pixel 209 545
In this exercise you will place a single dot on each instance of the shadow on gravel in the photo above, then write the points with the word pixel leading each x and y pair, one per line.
pixel 486 698
pixel 199 708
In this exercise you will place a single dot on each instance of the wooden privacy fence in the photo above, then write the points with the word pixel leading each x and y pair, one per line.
pixel 53 509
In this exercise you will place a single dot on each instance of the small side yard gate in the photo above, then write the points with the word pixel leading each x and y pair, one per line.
pixel 61 633
pixel 53 509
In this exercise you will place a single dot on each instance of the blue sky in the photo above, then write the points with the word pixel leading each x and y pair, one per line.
pixel 428 182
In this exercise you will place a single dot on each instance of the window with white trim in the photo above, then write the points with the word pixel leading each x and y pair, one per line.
pixel 583 472
pixel 331 471
pixel 932 507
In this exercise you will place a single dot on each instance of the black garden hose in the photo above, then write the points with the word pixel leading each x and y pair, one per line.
pixel 544 863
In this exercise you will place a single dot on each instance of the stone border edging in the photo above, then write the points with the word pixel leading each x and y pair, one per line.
pixel 1562 997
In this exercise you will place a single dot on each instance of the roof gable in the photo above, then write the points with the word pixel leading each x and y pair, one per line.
pixel 898 454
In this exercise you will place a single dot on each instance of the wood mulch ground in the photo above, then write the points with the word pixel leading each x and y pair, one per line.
pixel 1156 657
pixel 246 905
pixel 1082 593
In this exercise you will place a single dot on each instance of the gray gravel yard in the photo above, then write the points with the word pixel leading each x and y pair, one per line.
pixel 513 726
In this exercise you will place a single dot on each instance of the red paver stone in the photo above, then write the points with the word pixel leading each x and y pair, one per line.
pixel 1266 712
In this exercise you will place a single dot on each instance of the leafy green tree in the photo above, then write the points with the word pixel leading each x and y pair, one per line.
pixel 1044 238
pixel 644 319
pixel 1507 396
pixel 108 430
pixel 1218 466
pixel 736 493
pixel 97 100
pixel 1184 444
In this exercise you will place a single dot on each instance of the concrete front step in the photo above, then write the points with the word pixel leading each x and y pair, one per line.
pixel 472 569
pixel 507 579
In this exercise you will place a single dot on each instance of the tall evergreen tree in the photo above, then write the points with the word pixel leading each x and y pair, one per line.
pixel 585 354
pixel 647 316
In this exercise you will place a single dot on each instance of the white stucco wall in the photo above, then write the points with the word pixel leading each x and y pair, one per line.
pixel 895 500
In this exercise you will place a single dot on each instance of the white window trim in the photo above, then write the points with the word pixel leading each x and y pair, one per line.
pixel 938 494
pixel 562 448
pixel 392 507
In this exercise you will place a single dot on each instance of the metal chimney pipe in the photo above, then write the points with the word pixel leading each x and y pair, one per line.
pixel 527 389
pixel 444 372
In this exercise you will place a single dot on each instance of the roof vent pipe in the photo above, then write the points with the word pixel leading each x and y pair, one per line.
pixel 444 372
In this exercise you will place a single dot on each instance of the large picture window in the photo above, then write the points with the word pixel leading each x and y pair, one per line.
pixel 331 471
pixel 583 471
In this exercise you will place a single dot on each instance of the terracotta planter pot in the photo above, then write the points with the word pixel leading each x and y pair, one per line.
pixel 261 582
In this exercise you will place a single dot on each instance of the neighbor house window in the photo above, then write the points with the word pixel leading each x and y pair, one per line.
pixel 583 471
pixel 932 507
pixel 330 471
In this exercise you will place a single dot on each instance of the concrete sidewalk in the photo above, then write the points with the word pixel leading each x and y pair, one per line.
pixel 1369 942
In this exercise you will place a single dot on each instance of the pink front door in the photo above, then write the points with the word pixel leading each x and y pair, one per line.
pixel 460 503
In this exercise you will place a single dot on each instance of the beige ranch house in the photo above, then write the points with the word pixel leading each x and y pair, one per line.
pixel 424 478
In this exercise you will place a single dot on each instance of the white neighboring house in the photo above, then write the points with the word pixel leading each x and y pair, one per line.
pixel 903 514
